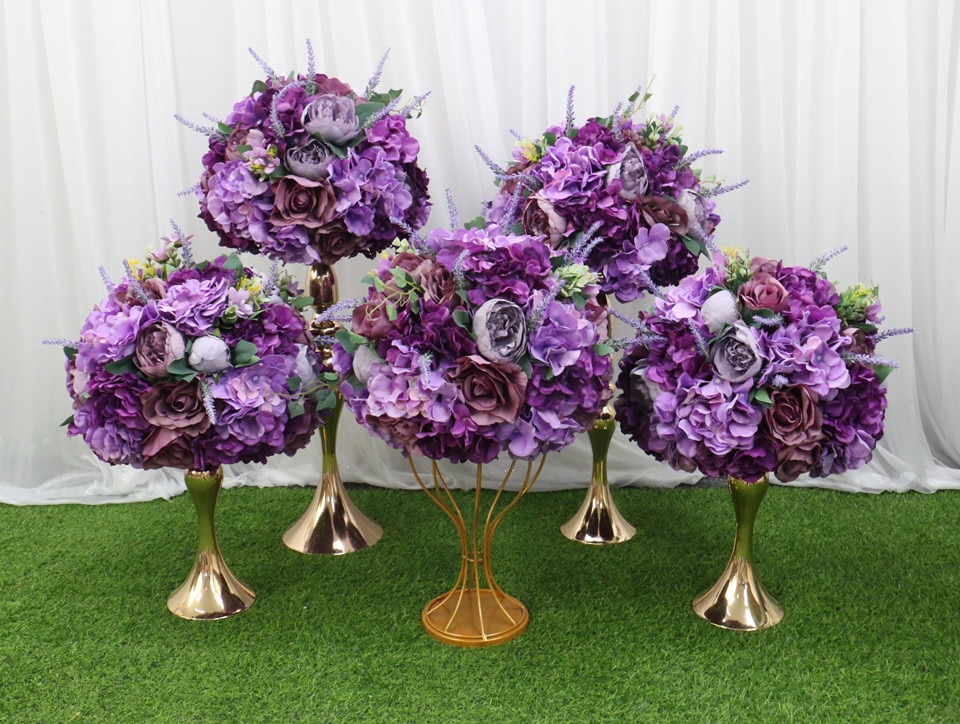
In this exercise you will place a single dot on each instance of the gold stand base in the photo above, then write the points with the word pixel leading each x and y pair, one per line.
pixel 210 592
pixel 472 618
pixel 737 601
pixel 598 522
pixel 332 523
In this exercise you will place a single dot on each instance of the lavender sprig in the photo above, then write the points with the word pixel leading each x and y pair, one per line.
pixel 887 334
pixel 693 157
pixel 311 60
pixel 536 316
pixel 208 402
pixel 205 130
pixel 580 251
pixel 510 211
pixel 186 250
pixel 416 239
pixel 190 191
pixel 702 345
pixel 106 279
pixel 263 65
pixel 452 211
pixel 375 78
pixel 413 105
pixel 718 190
pixel 498 171
pixel 426 368
pixel 381 114
pixel 271 282
pixel 822 260
pixel 458 276
pixel 61 342
pixel 135 283
pixel 775 321
pixel 618 122
pixel 569 124
pixel 869 360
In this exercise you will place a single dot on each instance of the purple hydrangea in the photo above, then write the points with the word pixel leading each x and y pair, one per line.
pixel 248 396
pixel 632 183
pixel 728 389
pixel 416 377
pixel 369 178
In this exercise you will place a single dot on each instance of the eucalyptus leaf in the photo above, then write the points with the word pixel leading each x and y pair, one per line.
pixel 462 318
pixel 244 354
pixel 295 408
pixel 122 366
pixel 181 370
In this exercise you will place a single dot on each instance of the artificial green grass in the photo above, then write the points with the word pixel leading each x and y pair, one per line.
pixel 870 585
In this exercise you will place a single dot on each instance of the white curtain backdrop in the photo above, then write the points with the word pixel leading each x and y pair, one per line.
pixel 844 115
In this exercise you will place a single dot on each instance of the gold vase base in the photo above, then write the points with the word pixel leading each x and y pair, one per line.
pixel 210 592
pixel 332 525
pixel 598 522
pixel 472 618
pixel 737 601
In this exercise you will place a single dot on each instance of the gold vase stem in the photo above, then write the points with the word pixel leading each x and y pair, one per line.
pixel 332 523
pixel 211 591
pixel 598 521
pixel 737 601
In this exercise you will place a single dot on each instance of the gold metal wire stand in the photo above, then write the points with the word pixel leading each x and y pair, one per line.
pixel 476 611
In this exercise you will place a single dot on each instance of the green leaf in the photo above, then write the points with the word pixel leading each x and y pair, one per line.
pixel 293 383
pixel 392 312
pixel 68 421
pixel 477 222
pixel 603 348
pixel 550 138
pixel 181 370
pixel 350 341
pixel 882 372
pixel 386 98
pixel 121 366
pixel 326 399
pixel 233 263
pixel 301 303
pixel 70 352
pixel 761 397
pixel 579 300
pixel 259 87
pixel 697 248
pixel 462 318
pixel 244 354
pixel 224 128
pixel 338 151
pixel 295 408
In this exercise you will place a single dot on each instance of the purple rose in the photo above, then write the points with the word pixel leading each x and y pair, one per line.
pixel 500 329
pixel 736 355
pixel 372 319
pixel 795 418
pixel 209 354
pixel 311 160
pixel 333 118
pixel 303 201
pixel 176 405
pixel 540 218
pixel 659 210
pixel 764 292
pixel 164 447
pixel 156 347
pixel 494 393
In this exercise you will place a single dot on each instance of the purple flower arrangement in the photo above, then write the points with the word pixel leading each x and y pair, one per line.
pixel 306 170
pixel 195 365
pixel 476 341
pixel 752 367
pixel 632 183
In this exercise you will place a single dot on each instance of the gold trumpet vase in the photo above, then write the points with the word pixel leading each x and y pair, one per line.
pixel 598 522
pixel 332 523
pixel 737 601
pixel 211 591
pixel 476 611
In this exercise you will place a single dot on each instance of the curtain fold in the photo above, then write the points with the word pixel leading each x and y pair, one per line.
pixel 843 115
